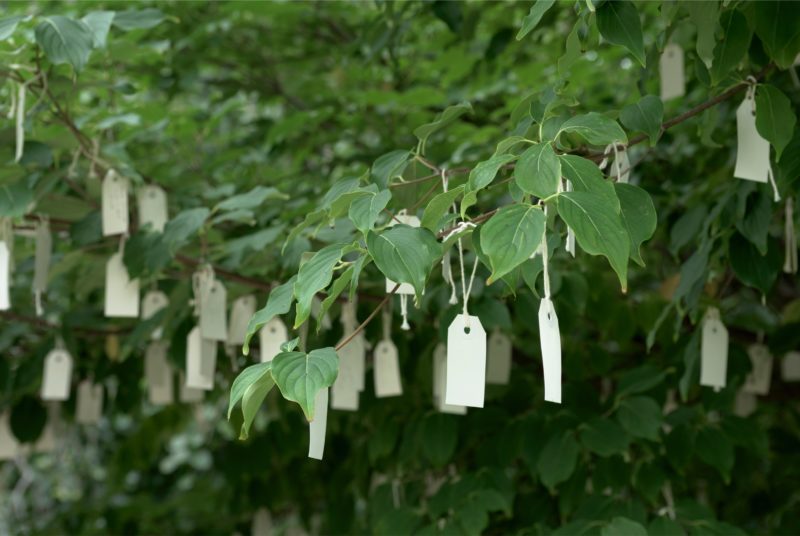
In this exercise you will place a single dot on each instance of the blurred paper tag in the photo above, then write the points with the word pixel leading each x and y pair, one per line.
pixel 213 317
pixel 440 380
pixel 343 395
pixel 152 302
pixel 5 280
pixel 243 308
pixel 89 407
pixel 713 350
pixel 317 427
pixel 550 340
pixel 9 446
pixel 670 67
pixel 115 204
pixel 387 370
pixel 152 201
pixel 498 369
pixel 621 167
pixel 752 151
pixel 57 375
pixel 262 523
pixel 44 251
pixel 411 221
pixel 790 367
pixel 158 374
pixel 758 380
pixel 270 337
pixel 122 293
pixel 745 403
pixel 201 361
pixel 189 395
pixel 466 362
pixel 349 383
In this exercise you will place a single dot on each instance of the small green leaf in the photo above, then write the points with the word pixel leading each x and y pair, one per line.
pixel 335 291
pixel 538 170
pixel 730 50
pixel 585 176
pixel 750 266
pixel 65 40
pixel 638 216
pixel 404 254
pixel 604 437
pixel 389 166
pixel 715 449
pixel 775 24
pixel 450 114
pixel 622 525
pixel 510 237
pixel 619 23
pixel 313 276
pixel 279 302
pixel 640 416
pixel 301 376
pixel 482 176
pixel 182 227
pixel 365 210
pixel 531 20
pixel 775 118
pixel 644 116
pixel 141 19
pixel 595 128
pixel 704 15
pixel 557 459
pixel 438 207
pixel 8 25
pixel 573 50
pixel 99 22
pixel 250 387
pixel 252 199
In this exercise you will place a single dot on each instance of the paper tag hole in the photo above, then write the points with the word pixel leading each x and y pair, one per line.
pixel 466 330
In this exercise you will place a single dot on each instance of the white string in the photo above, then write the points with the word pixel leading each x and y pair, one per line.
pixel 776 195
pixel 447 268
pixel 20 134
pixel 387 322
pixel 466 289
pixel 790 238
pixel 463 226
pixel 404 312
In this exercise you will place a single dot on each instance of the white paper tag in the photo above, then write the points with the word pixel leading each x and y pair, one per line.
pixel 570 245
pixel 621 167
pixel 498 368
pixel 412 221
pixel 243 308
pixel 152 201
pixel 758 380
pixel 158 374
pixel 439 382
pixel 745 403
pixel 152 302
pixel 213 317
pixel 317 427
pixel 466 362
pixel 670 67
pixel 5 280
pixel 752 151
pixel 44 251
pixel 57 376
pixel 550 340
pixel 270 337
pixel 115 204
pixel 201 361
pixel 89 407
pixel 122 293
pixel 344 396
pixel 713 351
pixel 189 395
pixel 387 370
pixel 790 367
pixel 9 446
pixel 262 523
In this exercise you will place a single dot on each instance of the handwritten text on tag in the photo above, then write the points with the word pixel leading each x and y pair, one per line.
pixel 115 204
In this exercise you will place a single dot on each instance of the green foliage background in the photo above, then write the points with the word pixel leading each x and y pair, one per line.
pixel 255 116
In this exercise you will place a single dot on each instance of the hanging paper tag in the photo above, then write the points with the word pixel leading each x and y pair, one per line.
pixel 270 337
pixel 713 351
pixel 570 245
pixel 466 362
pixel 115 204
pixel 9 446
pixel 213 319
pixel 790 367
pixel 152 201
pixel 412 221
pixel 57 375
pixel 344 396
pixel 262 523
pixel 790 240
pixel 189 395
pixel 622 166
pixel 153 302
pixel 498 370
pixel 387 370
pixel 752 151
pixel 550 340
pixel 670 66
pixel 353 357
pixel 41 266
pixel 122 293
pixel 745 403
pixel 201 361
pixel 5 280
pixel 439 382
pixel 89 407
pixel 158 374
pixel 758 381
pixel 243 308
pixel 317 427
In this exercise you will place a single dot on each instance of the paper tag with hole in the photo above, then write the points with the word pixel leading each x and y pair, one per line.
pixel 189 395
pixel 343 395
pixel 498 368
pixel 745 403
pixel 152 302
pixel 466 362
pixel 271 337
pixel 9 446
pixel 158 374
pixel 790 367
pixel 713 351
pixel 201 361
pixel 152 202
pixel 346 390
pixel 89 407
pixel 262 522
pixel 412 221
pixel 752 151
pixel 387 370
pixel 317 427
pixel 243 308
pixel 670 67
pixel 550 341
pixel 122 292
pixel 213 316
pixel 758 380
pixel 115 204
pixel 5 279
pixel 44 252
pixel 57 376
pixel 440 381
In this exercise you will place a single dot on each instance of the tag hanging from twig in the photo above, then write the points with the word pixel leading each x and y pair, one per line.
pixel 201 361
pixel 440 382
pixel 57 376
pixel 122 292
pixel 550 341
pixel 752 150
pixel 89 406
pixel 152 204
pixel 713 351
pixel 271 337
pixel 498 369
pixel 466 362
pixel 213 316
pixel 41 265
pixel 790 239
pixel 318 427
pixel 671 70
pixel 115 204
pixel 158 374
pixel 243 308
pixel 790 367
pixel 758 380
pixel 152 302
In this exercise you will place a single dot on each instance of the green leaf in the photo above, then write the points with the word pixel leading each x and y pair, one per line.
pixel 450 114
pixel 335 291
pixel 15 199
pixel 619 23
pixel 279 302
pixel 481 176
pixel 754 225
pixel 439 438
pixel 776 25
pixel 604 437
pixel 638 217
pixel 730 50
pixel 557 459
pixel 531 20
pixel 182 227
pixel 598 229
pixel 65 40
pixel 704 15
pixel 640 416
pixel 389 166
pixel 750 266
pixel 8 25
pixel 311 218
pixel 640 379
pixel 573 50
pixel 143 19
pixel 313 276
pixel 250 387
pixel 438 207
pixel 664 526
pixel 365 210
pixel 585 176
pixel 715 449
pixel 622 525
pixel 510 237
pixel 301 376
pixel 250 200
pixel 538 171
pixel 404 254
pixel 644 116
pixel 99 22
pixel 595 128
pixel 775 118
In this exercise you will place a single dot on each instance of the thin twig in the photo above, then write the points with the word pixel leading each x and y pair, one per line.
pixel 367 320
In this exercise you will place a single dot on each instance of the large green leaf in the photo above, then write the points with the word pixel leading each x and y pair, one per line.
pixel 704 15
pixel 182 227
pixel 715 448
pixel 136 19
pixel 622 525
pixel 250 387
pixel 640 416
pixel 389 166
pixel 438 207
pixel 776 25
pixel 531 20
pixel 598 229
pixel 482 176
pixel 638 216
pixel 644 116
pixel 99 22
pixel 15 199
pixel 619 23
pixel 557 459
pixel 750 266
pixel 365 210
pixel 587 177
pixel 314 275
pixel 604 437
pixel 450 114
pixel 510 237
pixel 538 170
pixel 8 25
pixel 775 118
pixel 301 376
pixel 595 128
pixel 404 254
pixel 65 40
pixel 730 50
pixel 252 199
pixel 279 302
